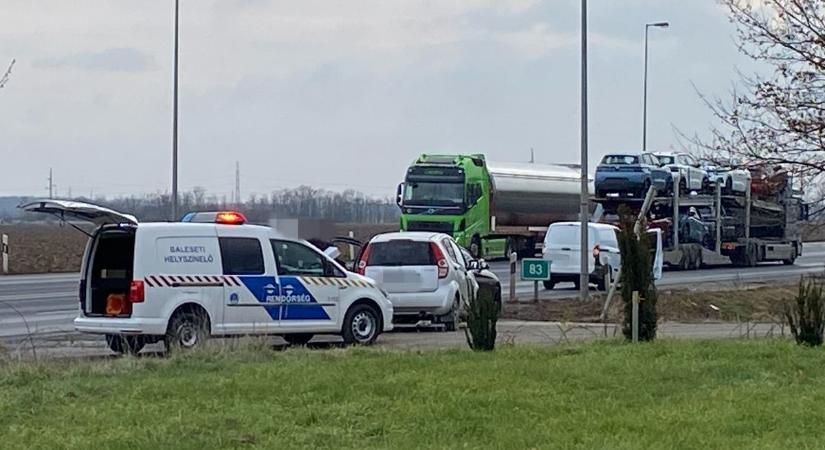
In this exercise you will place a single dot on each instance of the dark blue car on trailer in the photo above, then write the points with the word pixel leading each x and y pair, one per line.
pixel 631 175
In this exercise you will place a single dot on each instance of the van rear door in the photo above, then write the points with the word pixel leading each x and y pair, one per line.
pixel 563 247
pixel 87 212
pixel 402 266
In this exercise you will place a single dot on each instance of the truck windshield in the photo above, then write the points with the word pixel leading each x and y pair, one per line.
pixel 434 194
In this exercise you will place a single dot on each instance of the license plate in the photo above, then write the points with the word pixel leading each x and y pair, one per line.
pixel 401 277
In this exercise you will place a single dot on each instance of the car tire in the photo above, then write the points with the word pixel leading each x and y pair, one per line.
pixel 361 325
pixel 728 189
pixel 453 318
pixel 186 330
pixel 131 345
pixel 298 338
pixel 549 285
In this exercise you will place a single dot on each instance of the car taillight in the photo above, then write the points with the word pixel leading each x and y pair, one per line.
pixel 440 260
pixel 136 291
pixel 362 263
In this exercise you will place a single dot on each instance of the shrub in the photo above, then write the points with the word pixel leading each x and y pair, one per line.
pixel 636 276
pixel 806 312
pixel 482 316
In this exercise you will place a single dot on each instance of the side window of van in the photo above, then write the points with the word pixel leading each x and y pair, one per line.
pixel 297 259
pixel 241 256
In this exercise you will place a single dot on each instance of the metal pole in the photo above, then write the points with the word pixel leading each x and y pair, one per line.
pixel 644 98
pixel 635 317
pixel 718 217
pixel 513 260
pixel 4 249
pixel 175 123
pixel 748 210
pixel 584 276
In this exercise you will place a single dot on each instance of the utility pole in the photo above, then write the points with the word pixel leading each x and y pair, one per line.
pixel 532 155
pixel 644 94
pixel 584 276
pixel 175 123
pixel 237 183
pixel 51 184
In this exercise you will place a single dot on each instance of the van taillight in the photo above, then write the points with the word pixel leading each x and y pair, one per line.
pixel 362 263
pixel 440 260
pixel 136 291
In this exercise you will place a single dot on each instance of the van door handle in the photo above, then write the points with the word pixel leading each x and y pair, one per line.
pixel 566 249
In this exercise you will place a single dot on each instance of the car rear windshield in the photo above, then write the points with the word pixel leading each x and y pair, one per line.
pixel 400 253
pixel 620 159
pixel 564 234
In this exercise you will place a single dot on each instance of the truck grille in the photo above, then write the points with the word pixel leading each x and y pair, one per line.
pixel 436 227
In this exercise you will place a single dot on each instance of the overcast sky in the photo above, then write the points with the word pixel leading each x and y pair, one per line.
pixel 337 94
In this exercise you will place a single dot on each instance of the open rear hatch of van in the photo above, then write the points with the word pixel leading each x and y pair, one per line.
pixel 106 278
pixel 402 266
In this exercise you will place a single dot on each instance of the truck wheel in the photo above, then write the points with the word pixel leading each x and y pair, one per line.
pixel 361 325
pixel 475 247
pixel 119 344
pixel 508 247
pixel 697 261
pixel 298 338
pixel 549 285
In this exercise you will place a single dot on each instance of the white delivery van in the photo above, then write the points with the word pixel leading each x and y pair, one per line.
pixel 212 275
pixel 562 247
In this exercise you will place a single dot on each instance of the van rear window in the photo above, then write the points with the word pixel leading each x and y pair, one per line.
pixel 400 253
pixel 241 256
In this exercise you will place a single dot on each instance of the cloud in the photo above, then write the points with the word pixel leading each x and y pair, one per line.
pixel 123 59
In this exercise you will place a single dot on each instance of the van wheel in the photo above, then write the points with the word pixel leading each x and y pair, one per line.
pixel 119 344
pixel 187 329
pixel 605 281
pixel 361 325
pixel 790 260
pixel 549 285
pixel 298 338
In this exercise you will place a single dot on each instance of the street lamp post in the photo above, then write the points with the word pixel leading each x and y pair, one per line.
pixel 584 278
pixel 175 123
pixel 644 107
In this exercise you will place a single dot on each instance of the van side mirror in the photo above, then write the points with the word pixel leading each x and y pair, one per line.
pixel 479 264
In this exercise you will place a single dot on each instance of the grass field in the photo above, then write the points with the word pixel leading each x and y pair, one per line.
pixel 669 394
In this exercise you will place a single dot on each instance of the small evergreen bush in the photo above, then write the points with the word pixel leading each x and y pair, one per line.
pixel 806 312
pixel 482 316
pixel 636 276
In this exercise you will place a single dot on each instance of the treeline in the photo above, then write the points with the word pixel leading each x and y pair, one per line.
pixel 300 202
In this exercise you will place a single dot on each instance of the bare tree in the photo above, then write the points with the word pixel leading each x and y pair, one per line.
pixel 777 118
pixel 7 75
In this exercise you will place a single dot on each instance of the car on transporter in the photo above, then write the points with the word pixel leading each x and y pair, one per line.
pixel 631 175
pixel 212 275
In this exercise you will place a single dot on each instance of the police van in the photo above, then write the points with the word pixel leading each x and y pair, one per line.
pixel 212 275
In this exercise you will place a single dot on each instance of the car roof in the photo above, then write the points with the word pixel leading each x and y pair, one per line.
pixel 623 154
pixel 599 226
pixel 183 228
pixel 409 235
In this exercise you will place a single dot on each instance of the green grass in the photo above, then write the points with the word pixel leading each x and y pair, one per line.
pixel 669 394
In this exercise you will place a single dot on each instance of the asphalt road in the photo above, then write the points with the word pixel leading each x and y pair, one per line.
pixel 46 304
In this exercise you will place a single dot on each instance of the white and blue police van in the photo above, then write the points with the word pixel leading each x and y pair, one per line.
pixel 212 275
